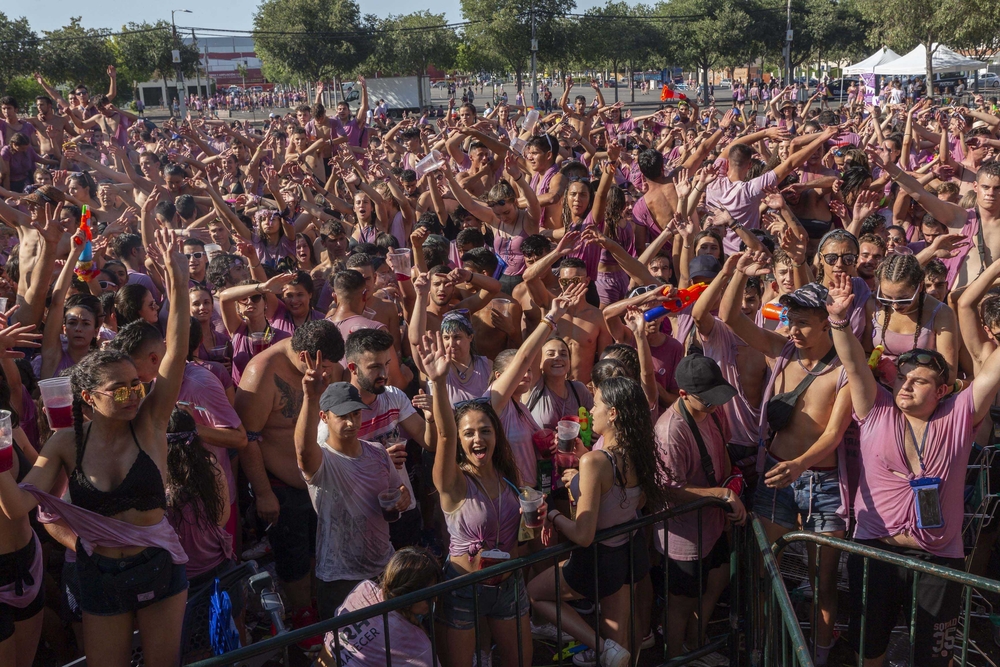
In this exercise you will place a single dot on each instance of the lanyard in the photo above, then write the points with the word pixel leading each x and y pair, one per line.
pixel 923 441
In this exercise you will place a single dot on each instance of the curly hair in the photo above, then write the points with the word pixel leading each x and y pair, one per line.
pixel 634 434
pixel 87 375
pixel 503 455
pixel 191 474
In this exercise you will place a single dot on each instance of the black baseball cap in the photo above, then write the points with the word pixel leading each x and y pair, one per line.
pixel 341 398
pixel 700 375
pixel 704 266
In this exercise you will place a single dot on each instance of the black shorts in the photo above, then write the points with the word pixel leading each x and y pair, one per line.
pixel 889 590
pixel 683 574
pixel 113 586
pixel 293 537
pixel 10 565
pixel 612 567
pixel 69 609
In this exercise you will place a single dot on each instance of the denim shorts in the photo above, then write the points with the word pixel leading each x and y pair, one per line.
pixel 814 496
pixel 500 602
pixel 113 586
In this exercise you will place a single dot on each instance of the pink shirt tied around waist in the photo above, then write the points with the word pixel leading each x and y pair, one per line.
pixel 30 584
pixel 473 526
pixel 95 530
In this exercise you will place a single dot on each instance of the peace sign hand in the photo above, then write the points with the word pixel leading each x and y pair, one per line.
pixel 314 381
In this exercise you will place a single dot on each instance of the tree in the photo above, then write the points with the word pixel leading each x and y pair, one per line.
pixel 619 35
pixel 144 52
pixel 313 39
pixel 76 55
pixel 20 47
pixel 979 34
pixel 409 44
pixel 501 30
pixel 902 24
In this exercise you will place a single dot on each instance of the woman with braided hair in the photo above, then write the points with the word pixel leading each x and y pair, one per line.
pixel 909 318
pixel 130 563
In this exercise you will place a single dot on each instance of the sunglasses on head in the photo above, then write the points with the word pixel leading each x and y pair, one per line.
pixel 124 394
pixel 885 301
pixel 848 258
pixel 925 359
pixel 194 255
pixel 496 202
pixel 481 400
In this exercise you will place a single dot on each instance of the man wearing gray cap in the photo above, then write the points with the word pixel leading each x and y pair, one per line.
pixel 347 479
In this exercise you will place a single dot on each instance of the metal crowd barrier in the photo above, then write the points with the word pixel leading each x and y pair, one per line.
pixel 919 567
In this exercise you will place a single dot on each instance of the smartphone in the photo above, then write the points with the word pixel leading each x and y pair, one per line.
pixel 929 507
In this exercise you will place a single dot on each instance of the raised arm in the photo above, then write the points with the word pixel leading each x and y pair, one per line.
pixel 52 342
pixel 308 453
pixel 952 215
pixel 799 157
pixel 976 340
pixel 447 476
pixel 756 337
pixel 859 377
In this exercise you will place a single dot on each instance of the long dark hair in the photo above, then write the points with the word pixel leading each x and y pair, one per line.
pixel 634 434
pixel 191 473
pixel 503 456
pixel 86 375
pixel 128 303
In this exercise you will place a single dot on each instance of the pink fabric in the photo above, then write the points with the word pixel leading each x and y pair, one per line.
pixel 95 530
pixel 519 426
pixel 665 359
pixel 8 593
pixel 242 352
pixel 743 418
pixel 349 325
pixel 207 545
pixel 282 320
pixel 473 526
pixel 741 199
pixel 540 184
pixel 679 451
pixel 363 644
pixel 884 504
pixel 643 217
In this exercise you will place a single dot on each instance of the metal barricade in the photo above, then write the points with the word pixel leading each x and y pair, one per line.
pixel 920 569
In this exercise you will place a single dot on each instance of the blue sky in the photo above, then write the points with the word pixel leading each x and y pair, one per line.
pixel 231 14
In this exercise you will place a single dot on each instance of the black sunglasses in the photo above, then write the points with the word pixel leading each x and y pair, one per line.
pixel 921 359
pixel 496 202
pixel 253 297
pixel 849 258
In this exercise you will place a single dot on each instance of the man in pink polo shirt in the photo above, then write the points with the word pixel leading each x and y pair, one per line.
pixel 915 445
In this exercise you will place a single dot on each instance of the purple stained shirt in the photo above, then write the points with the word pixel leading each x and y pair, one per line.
pixel 884 503
pixel 741 199
pixel 20 164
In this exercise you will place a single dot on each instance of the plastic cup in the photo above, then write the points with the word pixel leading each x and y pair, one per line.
pixel 257 342
pixel 400 261
pixel 530 119
pixel 518 145
pixel 57 397
pixel 567 432
pixel 388 500
pixel 502 306
pixel 531 499
pixel 428 163
pixel 212 249
pixel 6 442
pixel 3 304
pixel 218 353
pixel 392 442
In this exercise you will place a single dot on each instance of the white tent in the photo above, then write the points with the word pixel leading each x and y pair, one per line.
pixel 867 66
pixel 914 63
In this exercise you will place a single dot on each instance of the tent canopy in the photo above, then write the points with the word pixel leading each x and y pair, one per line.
pixel 914 63
pixel 883 56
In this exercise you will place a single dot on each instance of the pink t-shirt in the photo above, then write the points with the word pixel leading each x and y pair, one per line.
pixel 679 452
pixel 363 644
pixel 519 426
pixel 741 199
pixel 349 325
pixel 666 356
pixel 884 504
pixel 743 418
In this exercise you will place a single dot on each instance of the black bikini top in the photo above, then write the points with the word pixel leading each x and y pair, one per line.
pixel 142 489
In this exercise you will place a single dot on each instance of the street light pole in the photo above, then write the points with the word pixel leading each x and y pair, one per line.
pixel 788 47
pixel 178 74
pixel 534 60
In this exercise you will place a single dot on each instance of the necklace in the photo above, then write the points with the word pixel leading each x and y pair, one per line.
pixel 462 375
pixel 823 367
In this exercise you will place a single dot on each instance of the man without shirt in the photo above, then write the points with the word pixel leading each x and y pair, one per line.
pixel 268 402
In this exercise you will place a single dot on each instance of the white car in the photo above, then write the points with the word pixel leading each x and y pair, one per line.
pixel 988 80
pixel 726 83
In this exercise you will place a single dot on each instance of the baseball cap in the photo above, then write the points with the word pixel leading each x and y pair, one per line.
pixel 812 295
pixel 700 375
pixel 704 266
pixel 45 194
pixel 341 398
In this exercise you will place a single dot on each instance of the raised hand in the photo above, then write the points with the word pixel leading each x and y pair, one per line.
pixel 754 264
pixel 17 336
pixel 436 359
pixel 314 380
pixel 570 296
pixel 840 297
pixel 635 321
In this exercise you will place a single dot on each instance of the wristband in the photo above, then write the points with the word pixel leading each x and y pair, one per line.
pixel 553 518
pixel 839 325
pixel 550 321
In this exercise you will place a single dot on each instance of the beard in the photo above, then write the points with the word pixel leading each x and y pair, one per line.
pixel 370 386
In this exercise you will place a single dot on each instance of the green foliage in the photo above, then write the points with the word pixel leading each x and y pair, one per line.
pixel 501 31
pixel 144 51
pixel 408 44
pixel 335 43
pixel 24 89
pixel 979 33
pixel 20 50
pixel 76 55
pixel 708 33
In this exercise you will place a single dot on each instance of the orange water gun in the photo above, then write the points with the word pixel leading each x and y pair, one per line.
pixel 684 298
pixel 86 268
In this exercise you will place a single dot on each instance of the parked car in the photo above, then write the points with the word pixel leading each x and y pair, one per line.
pixel 988 80
pixel 838 87
pixel 440 84
pixel 726 83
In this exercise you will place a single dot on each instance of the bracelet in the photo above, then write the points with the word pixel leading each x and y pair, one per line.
pixel 550 321
pixel 697 189
pixel 256 265
pixel 839 325
pixel 553 518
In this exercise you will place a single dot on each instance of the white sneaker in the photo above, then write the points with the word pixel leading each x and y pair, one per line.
pixel 547 632
pixel 649 641
pixel 585 658
pixel 614 655
pixel 258 550
pixel 485 659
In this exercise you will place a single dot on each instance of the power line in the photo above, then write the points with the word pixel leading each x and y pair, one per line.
pixel 103 33
pixel 349 33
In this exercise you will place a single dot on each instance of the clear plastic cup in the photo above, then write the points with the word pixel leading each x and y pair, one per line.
pixel 430 162
pixel 212 249
pixel 531 499
pixel 567 432
pixel 3 304
pixel 518 145
pixel 218 353
pixel 57 397
pixel 388 500
pixel 6 442
pixel 502 306
pixel 530 119
pixel 257 342
pixel 392 442
pixel 400 261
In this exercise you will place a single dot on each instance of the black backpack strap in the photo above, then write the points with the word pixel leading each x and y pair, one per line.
pixel 706 458
pixel 793 395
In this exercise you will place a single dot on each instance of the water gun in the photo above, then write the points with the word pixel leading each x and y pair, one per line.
pixel 585 433
pixel 774 311
pixel 685 297
pixel 876 355
pixel 86 268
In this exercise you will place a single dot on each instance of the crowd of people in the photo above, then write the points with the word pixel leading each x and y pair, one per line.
pixel 361 349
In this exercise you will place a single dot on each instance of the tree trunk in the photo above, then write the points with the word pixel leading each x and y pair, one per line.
pixel 631 83
pixel 517 85
pixel 704 85
pixel 614 67
pixel 166 100
pixel 929 55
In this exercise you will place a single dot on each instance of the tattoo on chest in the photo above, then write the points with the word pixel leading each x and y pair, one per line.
pixel 290 399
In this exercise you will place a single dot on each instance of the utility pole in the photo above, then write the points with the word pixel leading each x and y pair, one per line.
pixel 197 69
pixel 178 74
pixel 788 47
pixel 534 60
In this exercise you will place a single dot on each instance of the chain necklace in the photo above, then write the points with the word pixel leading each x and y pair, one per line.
pixel 462 375
pixel 798 358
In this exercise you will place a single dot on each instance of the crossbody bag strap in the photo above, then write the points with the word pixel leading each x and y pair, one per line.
pixel 706 458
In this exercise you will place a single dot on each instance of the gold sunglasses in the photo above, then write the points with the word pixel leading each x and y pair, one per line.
pixel 124 394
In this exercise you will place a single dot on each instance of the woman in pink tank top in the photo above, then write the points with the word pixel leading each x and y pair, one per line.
pixel 476 477
pixel 612 486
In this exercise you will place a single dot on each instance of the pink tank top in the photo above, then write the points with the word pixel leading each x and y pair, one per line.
pixel 619 504
pixel 898 343
pixel 482 523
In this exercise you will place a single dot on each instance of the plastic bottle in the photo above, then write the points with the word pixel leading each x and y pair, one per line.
pixel 685 297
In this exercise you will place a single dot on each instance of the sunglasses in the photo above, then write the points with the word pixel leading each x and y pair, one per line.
pixel 921 359
pixel 848 258
pixel 885 301
pixel 255 298
pixel 107 284
pixel 567 282
pixel 579 179
pixel 496 202
pixel 481 400
pixel 645 289
pixel 701 400
pixel 194 255
pixel 124 394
